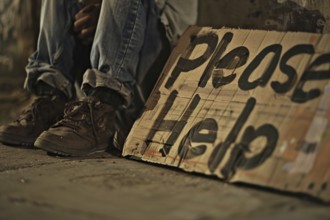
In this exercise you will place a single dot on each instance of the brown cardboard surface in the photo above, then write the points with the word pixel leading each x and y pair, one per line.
pixel 244 105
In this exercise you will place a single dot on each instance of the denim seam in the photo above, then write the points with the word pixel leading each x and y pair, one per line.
pixel 120 66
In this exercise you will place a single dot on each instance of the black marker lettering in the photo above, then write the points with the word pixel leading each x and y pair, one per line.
pixel 179 126
pixel 195 135
pixel 237 157
pixel 311 73
pixel 288 70
pixel 185 64
pixel 243 81
pixel 220 150
pixel 215 58
pixel 234 59
pixel 160 124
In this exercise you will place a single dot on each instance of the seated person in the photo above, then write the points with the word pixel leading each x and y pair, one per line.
pixel 125 37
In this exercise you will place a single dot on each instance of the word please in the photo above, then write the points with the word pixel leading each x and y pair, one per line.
pixel 238 57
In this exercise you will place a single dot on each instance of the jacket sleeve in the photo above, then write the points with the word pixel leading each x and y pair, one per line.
pixel 176 16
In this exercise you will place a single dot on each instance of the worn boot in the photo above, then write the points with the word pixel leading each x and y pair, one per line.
pixel 86 128
pixel 39 116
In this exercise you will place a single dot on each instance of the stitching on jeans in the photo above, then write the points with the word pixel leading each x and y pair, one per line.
pixel 129 40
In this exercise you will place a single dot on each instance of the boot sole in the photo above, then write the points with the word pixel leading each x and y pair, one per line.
pixel 54 148
pixel 13 140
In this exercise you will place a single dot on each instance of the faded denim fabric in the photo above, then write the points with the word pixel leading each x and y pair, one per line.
pixel 52 62
pixel 126 43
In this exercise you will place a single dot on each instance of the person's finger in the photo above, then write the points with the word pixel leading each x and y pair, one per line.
pixel 82 23
pixel 87 33
pixel 85 10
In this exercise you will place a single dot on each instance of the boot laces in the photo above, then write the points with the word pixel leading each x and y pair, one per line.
pixel 78 113
pixel 30 113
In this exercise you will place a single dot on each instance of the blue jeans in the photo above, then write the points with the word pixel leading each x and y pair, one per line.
pixel 116 48
pixel 127 42
pixel 128 39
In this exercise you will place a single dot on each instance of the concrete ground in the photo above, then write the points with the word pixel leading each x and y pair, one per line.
pixel 34 185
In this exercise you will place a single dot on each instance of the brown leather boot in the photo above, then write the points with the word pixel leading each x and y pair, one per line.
pixel 36 118
pixel 87 127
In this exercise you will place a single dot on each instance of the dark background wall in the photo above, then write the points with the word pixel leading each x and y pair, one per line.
pixel 18 30
pixel 19 22
pixel 282 15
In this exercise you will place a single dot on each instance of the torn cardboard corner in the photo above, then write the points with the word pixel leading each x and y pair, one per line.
pixel 245 105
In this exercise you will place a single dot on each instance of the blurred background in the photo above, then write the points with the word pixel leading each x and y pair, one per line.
pixel 19 21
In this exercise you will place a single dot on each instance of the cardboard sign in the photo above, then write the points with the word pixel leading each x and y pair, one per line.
pixel 245 105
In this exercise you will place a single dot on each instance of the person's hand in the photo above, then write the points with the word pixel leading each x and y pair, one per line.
pixel 86 21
